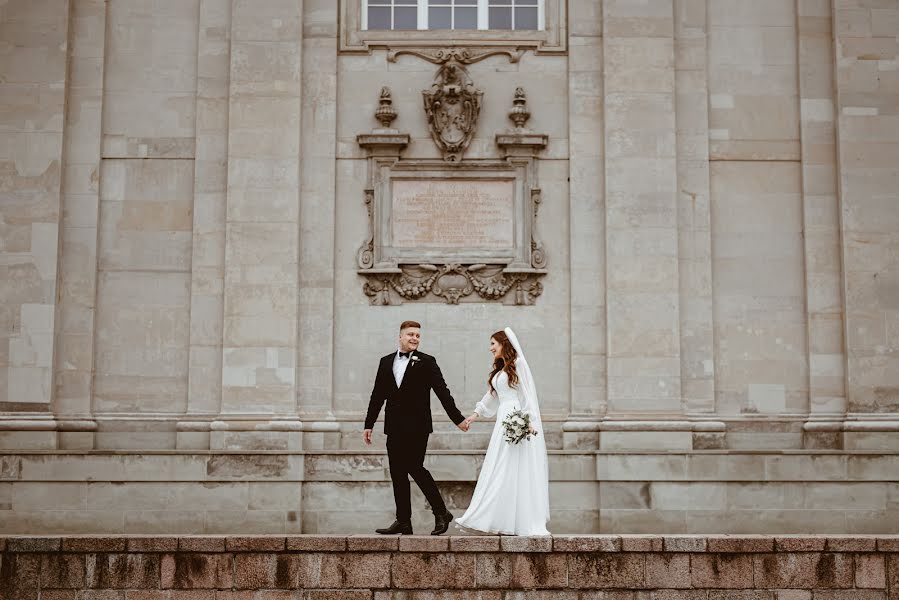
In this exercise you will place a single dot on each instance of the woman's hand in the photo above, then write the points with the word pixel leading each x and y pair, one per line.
pixel 470 419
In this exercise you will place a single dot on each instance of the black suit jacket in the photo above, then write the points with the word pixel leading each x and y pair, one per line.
pixel 409 407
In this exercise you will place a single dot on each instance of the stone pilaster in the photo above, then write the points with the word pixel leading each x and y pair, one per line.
pixel 821 222
pixel 697 343
pixel 81 207
pixel 867 54
pixel 32 115
pixel 588 294
pixel 210 194
pixel 641 208
pixel 315 362
pixel 262 223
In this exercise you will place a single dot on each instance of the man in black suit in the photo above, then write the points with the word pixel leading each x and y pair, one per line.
pixel 405 379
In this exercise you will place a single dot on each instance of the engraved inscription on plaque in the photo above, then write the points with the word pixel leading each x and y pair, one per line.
pixel 456 214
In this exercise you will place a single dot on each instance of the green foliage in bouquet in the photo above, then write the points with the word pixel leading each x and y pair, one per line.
pixel 517 427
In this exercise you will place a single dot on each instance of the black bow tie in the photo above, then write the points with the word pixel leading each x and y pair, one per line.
pixel 405 354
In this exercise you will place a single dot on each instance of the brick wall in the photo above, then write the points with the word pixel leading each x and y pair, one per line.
pixel 312 566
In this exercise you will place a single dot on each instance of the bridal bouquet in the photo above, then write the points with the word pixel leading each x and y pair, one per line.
pixel 517 426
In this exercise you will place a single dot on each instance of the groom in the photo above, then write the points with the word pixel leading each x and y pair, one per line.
pixel 405 379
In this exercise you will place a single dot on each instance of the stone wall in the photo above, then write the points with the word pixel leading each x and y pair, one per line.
pixel 365 567
pixel 182 197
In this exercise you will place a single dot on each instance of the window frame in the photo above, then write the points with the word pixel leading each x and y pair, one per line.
pixel 552 40
pixel 483 17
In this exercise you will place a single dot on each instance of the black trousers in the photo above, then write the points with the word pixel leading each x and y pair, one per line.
pixel 406 454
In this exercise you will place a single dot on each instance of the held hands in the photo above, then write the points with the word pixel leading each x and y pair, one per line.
pixel 464 425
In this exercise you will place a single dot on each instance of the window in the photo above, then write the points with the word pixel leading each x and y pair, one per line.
pixel 519 15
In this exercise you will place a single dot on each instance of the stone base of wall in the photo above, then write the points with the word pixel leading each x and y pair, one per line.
pixel 425 567
pixel 700 492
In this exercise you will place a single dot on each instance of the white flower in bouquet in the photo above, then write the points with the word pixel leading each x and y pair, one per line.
pixel 517 427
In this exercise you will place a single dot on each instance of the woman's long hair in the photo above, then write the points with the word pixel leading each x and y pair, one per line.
pixel 505 362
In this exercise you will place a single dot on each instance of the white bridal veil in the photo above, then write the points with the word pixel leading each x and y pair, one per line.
pixel 530 404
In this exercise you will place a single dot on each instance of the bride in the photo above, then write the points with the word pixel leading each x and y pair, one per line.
pixel 512 493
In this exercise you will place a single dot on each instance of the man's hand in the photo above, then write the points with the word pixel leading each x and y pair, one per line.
pixel 366 435
pixel 463 425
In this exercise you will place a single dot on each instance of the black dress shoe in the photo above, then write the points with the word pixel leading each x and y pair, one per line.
pixel 442 523
pixel 397 527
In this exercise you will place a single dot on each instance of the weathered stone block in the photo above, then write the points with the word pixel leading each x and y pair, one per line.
pixel 740 544
pixel 721 570
pixel 33 544
pixel 260 571
pixel 123 571
pixel 606 571
pixel 586 543
pixel 851 544
pixel 372 543
pixel 521 571
pixel 642 543
pixel 806 570
pixel 667 570
pixel 317 543
pixel 474 543
pixel 870 571
pixel 255 544
pixel 526 544
pixel 197 571
pixel 800 543
pixel 435 571
pixel 420 543
pixel 152 544
pixel 94 544
pixel 62 571
pixel 369 570
pixel 201 544
pixel 684 543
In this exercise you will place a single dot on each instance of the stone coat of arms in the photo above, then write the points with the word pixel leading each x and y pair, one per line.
pixel 452 106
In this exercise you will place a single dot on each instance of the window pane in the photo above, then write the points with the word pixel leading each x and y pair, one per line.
pixel 524 2
pixel 405 17
pixel 500 18
pixel 500 2
pixel 444 2
pixel 466 17
pixel 379 17
pixel 439 18
pixel 379 1
pixel 526 18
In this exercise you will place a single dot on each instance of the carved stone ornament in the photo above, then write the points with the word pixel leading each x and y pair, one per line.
pixel 452 106
pixel 465 56
pixel 452 230
pixel 453 282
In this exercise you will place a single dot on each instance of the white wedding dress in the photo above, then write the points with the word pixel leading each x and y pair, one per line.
pixel 512 493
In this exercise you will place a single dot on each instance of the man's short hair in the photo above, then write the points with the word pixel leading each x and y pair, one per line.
pixel 408 324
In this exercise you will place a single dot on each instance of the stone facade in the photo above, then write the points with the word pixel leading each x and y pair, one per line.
pixel 183 196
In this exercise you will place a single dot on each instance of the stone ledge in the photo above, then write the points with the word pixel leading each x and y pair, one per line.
pixel 376 567
pixel 299 543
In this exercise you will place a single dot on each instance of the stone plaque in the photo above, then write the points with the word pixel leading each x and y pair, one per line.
pixel 453 214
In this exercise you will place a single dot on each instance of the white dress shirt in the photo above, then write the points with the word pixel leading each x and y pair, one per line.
pixel 399 367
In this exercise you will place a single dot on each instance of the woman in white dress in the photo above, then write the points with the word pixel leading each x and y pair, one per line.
pixel 512 493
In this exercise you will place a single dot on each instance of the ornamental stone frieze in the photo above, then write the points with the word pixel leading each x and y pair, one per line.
pixel 452 230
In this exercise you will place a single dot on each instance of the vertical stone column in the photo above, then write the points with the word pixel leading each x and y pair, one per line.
pixel 262 218
pixel 32 102
pixel 210 196
pixel 868 143
pixel 81 209
pixel 821 224
pixel 641 208
pixel 587 223
pixel 697 343
pixel 317 197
